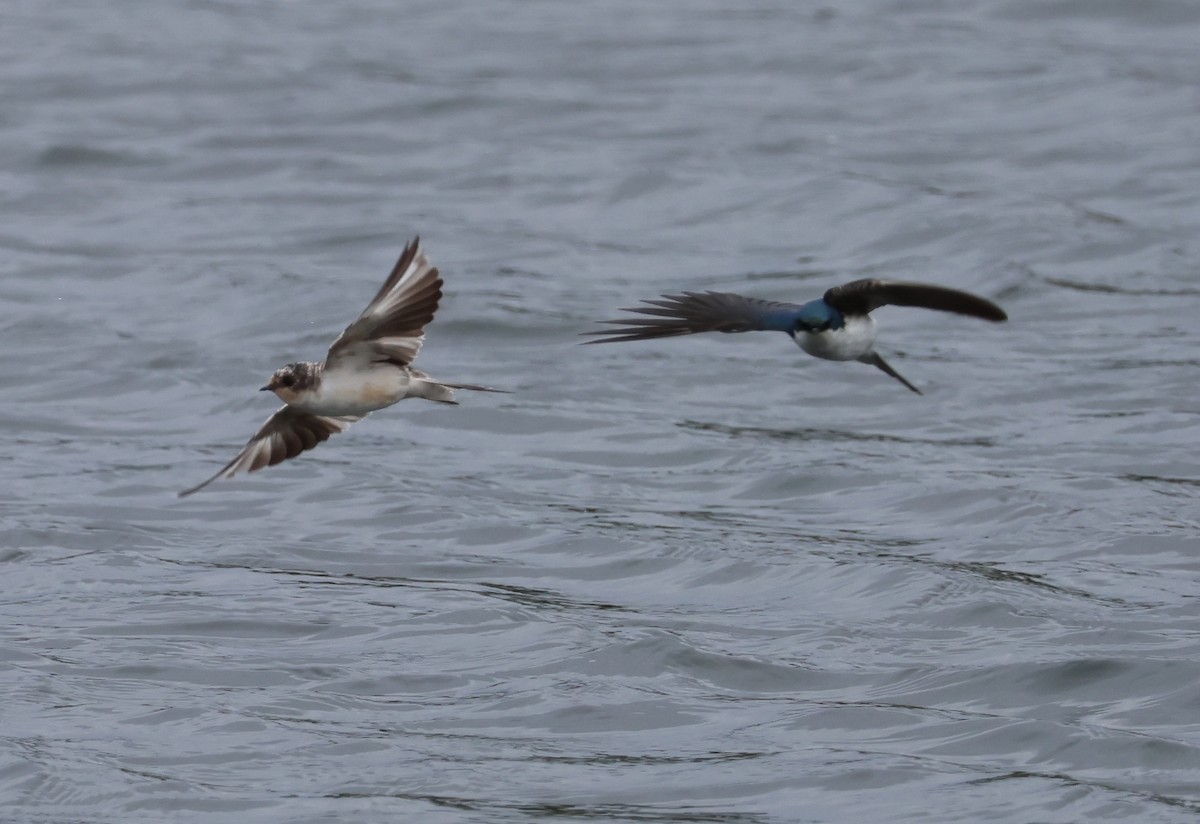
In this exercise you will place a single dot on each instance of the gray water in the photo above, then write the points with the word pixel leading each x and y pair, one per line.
pixel 709 579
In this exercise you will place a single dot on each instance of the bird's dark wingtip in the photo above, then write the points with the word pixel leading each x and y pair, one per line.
pixel 194 489
pixel 603 340
pixel 615 335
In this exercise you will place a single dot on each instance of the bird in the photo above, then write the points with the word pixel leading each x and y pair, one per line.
pixel 837 326
pixel 367 368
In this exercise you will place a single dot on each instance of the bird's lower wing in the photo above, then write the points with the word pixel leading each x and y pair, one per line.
pixel 392 327
pixel 693 312
pixel 284 435
pixel 858 297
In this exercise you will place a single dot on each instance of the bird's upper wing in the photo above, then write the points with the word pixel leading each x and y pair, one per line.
pixel 284 435
pixel 693 312
pixel 392 327
pixel 858 297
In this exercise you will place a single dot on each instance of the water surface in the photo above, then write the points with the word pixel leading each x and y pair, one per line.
pixel 705 580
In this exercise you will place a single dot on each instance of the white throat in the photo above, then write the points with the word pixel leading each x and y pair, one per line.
pixel 851 342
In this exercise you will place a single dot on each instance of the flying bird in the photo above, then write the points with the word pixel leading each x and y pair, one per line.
pixel 835 327
pixel 368 367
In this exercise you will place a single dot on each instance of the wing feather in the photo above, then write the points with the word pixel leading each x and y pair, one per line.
pixel 858 297
pixel 284 435
pixel 694 312
pixel 392 327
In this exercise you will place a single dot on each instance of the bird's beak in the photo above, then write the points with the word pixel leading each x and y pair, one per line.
pixel 266 388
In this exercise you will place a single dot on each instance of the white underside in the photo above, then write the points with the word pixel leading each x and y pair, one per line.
pixel 851 342
pixel 342 392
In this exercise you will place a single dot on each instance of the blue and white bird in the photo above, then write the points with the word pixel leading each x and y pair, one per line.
pixel 836 327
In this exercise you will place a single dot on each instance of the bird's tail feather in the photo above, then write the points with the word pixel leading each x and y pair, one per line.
pixel 443 391
pixel 476 387
pixel 874 359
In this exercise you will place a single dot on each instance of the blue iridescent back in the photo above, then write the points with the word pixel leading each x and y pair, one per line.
pixel 817 316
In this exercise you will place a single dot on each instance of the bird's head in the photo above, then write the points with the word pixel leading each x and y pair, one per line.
pixel 286 382
pixel 818 316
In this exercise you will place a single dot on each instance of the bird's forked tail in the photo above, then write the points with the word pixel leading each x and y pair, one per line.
pixel 443 391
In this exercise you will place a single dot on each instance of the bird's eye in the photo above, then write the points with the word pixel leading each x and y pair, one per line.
pixel 288 380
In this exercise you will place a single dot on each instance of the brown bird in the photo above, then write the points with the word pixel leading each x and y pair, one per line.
pixel 367 368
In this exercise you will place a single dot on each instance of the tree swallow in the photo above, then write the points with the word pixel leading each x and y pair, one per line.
pixel 836 327
pixel 367 368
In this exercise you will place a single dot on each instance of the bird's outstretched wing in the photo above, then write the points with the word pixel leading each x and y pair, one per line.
pixel 693 312
pixel 392 327
pixel 284 435
pixel 858 297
